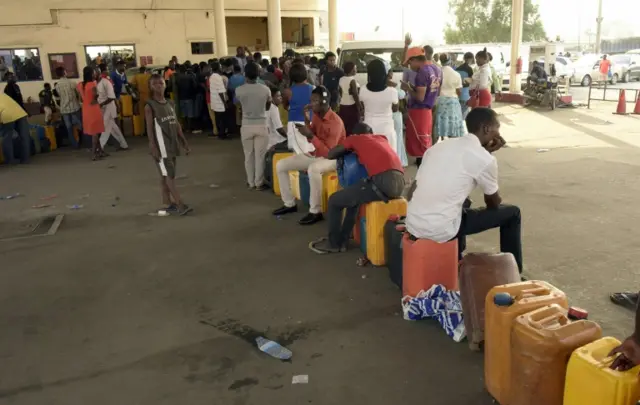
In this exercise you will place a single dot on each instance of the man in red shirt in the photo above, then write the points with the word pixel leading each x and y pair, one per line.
pixel 605 65
pixel 324 131
pixel 385 182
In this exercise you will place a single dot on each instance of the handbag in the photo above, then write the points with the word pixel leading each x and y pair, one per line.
pixel 474 100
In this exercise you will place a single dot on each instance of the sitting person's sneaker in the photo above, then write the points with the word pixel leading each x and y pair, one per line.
pixel 311 219
pixel 323 247
pixel 285 210
pixel 262 188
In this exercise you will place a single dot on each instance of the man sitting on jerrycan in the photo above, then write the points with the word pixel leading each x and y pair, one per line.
pixel 449 172
pixel 323 129
pixel 384 181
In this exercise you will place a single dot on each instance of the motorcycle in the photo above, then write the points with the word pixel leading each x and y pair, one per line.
pixel 542 91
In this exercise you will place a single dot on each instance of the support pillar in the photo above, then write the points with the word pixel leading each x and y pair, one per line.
pixel 220 22
pixel 517 19
pixel 599 27
pixel 274 27
pixel 333 25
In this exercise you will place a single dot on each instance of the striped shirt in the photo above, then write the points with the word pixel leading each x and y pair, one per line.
pixel 69 100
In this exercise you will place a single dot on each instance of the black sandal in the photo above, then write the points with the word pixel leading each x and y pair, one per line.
pixel 626 300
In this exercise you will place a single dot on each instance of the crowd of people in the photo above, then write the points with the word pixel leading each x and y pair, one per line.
pixel 328 114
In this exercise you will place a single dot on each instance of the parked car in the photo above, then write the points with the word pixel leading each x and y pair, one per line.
pixel 363 52
pixel 629 66
pixel 587 69
pixel 634 67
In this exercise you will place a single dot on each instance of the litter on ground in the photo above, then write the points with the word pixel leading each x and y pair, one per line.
pixel 273 349
pixel 10 196
pixel 300 379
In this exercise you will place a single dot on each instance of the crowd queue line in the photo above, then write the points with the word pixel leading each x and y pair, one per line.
pixel 306 93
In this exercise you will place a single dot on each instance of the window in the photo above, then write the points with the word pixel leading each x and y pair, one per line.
pixel 24 63
pixel 361 57
pixel 202 48
pixel 110 54
pixel 561 61
pixel 68 61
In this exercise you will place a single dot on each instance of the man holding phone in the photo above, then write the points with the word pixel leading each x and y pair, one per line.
pixel 449 173
pixel 324 131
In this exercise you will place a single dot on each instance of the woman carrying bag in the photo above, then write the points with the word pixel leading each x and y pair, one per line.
pixel 480 94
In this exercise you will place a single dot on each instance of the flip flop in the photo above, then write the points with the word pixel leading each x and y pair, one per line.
pixel 627 300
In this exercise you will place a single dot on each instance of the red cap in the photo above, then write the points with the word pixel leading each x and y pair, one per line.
pixel 413 52
pixel 576 313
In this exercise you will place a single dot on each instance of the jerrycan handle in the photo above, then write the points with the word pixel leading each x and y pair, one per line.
pixel 532 292
pixel 555 318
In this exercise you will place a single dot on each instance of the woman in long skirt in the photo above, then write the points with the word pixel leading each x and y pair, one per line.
pixel 398 122
pixel 92 122
pixel 380 101
pixel 449 114
pixel 350 108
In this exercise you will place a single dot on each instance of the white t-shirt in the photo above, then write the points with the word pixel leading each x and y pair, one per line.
pixel 451 81
pixel 377 105
pixel 345 85
pixel 217 86
pixel 105 92
pixel 481 78
pixel 448 174
pixel 274 122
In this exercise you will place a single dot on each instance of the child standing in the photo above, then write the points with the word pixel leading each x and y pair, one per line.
pixel 47 103
pixel 165 136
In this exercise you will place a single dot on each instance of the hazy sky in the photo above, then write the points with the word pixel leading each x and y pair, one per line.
pixel 567 18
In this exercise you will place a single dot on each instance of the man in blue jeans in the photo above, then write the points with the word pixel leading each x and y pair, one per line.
pixel 70 107
pixel 14 118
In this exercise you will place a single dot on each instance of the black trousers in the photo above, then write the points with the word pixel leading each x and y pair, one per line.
pixel 232 125
pixel 221 123
pixel 505 217
pixel 389 184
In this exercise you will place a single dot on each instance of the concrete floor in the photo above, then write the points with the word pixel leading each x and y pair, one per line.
pixel 123 308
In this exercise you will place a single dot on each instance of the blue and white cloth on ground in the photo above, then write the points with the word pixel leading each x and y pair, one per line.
pixel 437 302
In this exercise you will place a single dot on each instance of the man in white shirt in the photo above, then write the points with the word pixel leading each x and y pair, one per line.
pixel 107 101
pixel 448 174
pixel 218 95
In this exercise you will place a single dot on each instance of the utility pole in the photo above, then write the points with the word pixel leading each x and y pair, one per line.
pixel 599 27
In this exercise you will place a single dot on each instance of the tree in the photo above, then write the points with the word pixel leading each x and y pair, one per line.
pixel 484 21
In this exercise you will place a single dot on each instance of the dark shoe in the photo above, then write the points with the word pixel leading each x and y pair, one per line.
pixel 172 209
pixel 285 210
pixel 184 210
pixel 627 300
pixel 323 247
pixel 121 149
pixel 262 188
pixel 311 219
